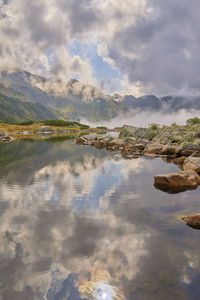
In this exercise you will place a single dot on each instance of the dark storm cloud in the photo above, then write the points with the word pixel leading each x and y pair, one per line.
pixel 48 31
pixel 153 42
pixel 83 15
pixel 165 43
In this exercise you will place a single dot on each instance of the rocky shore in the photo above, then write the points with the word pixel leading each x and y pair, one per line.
pixel 9 136
pixel 176 144
pixel 134 142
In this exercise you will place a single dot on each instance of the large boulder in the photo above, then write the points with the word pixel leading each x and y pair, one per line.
pixel 127 131
pixel 192 163
pixel 178 180
pixel 141 133
pixel 132 131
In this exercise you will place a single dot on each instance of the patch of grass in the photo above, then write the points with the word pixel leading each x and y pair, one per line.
pixel 62 123
pixel 101 127
pixel 25 123
pixel 154 126
pixel 193 121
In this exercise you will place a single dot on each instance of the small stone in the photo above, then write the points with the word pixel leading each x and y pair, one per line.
pixel 192 220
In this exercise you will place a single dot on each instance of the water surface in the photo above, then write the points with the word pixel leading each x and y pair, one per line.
pixel 80 223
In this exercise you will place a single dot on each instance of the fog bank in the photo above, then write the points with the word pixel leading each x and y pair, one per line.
pixel 143 119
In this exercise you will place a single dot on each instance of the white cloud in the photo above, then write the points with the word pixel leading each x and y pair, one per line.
pixel 153 44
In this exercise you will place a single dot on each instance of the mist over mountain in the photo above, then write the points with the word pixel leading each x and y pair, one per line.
pixel 54 98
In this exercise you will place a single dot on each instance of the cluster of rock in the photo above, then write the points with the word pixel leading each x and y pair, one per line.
pixel 188 156
pixel 133 142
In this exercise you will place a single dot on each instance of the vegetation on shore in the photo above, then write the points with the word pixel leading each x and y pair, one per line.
pixel 175 134
pixel 31 128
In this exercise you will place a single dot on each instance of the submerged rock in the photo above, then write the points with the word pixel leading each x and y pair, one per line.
pixel 177 180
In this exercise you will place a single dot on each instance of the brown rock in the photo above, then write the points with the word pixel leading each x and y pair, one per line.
pixel 186 152
pixel 99 144
pixel 170 150
pixel 179 160
pixel 153 149
pixel 192 163
pixel 81 141
pixel 116 144
pixel 131 148
pixel 192 220
pixel 178 179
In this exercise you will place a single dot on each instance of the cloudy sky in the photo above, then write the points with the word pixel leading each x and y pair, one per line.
pixel 134 46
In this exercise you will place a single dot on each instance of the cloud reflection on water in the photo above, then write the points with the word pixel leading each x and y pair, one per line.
pixel 48 232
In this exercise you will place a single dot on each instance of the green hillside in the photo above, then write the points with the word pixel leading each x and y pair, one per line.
pixel 14 110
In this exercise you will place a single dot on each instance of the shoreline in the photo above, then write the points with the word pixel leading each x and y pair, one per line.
pixel 132 146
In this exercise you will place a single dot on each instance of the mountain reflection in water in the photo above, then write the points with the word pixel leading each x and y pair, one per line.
pixel 81 223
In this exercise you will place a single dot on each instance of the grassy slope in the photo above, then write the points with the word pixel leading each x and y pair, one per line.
pixel 14 110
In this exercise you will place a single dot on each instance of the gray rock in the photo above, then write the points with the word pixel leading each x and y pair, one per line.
pixel 191 146
pixel 127 131
pixel 141 132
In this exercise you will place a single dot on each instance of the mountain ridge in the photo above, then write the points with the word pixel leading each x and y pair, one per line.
pixel 74 100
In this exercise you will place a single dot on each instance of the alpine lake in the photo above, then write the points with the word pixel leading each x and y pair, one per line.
pixel 81 223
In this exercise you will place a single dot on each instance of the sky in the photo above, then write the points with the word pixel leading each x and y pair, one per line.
pixel 133 47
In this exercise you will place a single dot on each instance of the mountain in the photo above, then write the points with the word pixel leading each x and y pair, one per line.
pixel 14 109
pixel 75 100
pixel 72 100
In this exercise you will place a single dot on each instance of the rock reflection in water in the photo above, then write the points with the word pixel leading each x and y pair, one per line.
pixel 79 223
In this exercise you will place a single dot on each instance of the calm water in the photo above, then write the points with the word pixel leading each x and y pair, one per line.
pixel 80 223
